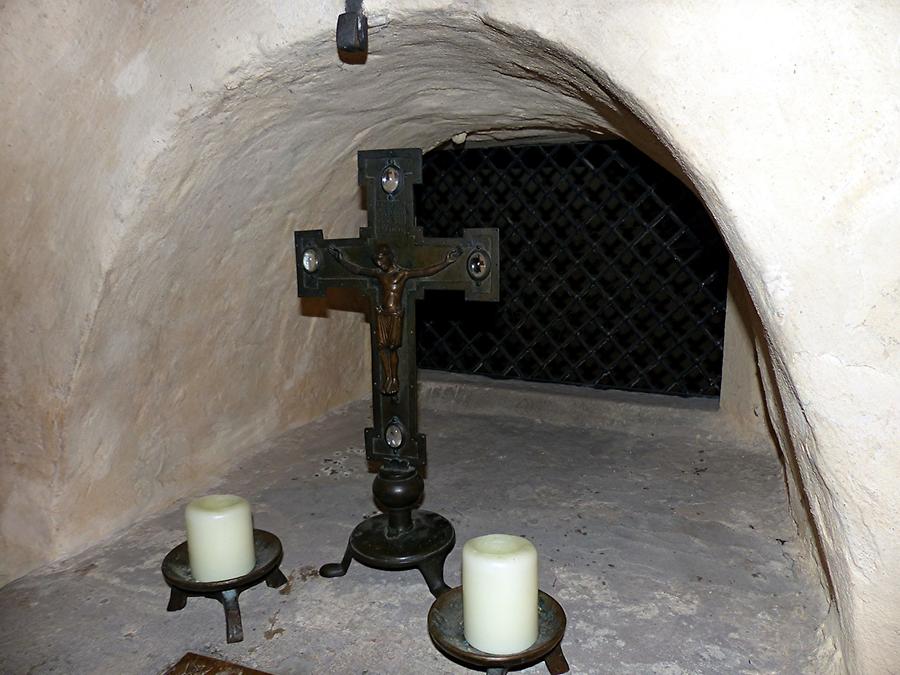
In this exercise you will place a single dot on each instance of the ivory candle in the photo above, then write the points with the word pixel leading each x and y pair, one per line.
pixel 219 537
pixel 500 593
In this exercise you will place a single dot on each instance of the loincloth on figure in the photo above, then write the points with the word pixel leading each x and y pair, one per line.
pixel 389 328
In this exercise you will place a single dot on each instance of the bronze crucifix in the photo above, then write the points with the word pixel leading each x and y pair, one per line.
pixel 404 263
pixel 392 280
pixel 392 263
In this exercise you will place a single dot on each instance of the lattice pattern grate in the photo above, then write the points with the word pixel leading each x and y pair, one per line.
pixel 613 275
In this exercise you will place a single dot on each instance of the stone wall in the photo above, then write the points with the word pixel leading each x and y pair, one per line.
pixel 157 157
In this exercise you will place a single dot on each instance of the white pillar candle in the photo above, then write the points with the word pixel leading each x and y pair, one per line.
pixel 219 537
pixel 500 593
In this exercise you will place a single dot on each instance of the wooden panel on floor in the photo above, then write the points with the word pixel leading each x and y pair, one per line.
pixel 198 664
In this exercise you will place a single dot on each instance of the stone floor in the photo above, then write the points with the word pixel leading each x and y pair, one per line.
pixel 668 544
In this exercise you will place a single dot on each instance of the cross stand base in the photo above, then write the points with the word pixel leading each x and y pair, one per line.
pixel 402 538
pixel 177 573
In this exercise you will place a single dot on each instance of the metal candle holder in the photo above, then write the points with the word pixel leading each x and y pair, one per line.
pixel 445 626
pixel 176 570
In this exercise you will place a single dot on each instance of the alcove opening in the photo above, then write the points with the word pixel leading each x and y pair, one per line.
pixel 613 273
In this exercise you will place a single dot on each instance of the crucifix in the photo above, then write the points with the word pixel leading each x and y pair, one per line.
pixel 392 263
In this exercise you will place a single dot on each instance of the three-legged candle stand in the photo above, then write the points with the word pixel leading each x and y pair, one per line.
pixel 402 537
pixel 176 570
pixel 445 626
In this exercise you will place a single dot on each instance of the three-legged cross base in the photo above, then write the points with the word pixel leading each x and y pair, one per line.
pixel 424 546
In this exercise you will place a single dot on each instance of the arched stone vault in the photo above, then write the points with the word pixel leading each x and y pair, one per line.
pixel 158 158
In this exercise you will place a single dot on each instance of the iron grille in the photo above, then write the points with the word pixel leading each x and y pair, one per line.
pixel 613 275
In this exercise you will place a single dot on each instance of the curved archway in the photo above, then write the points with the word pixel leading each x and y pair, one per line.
pixel 182 330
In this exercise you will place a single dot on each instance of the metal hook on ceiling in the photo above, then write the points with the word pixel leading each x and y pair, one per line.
pixel 352 34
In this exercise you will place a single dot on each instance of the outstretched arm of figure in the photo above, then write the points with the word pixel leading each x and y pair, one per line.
pixel 338 255
pixel 451 257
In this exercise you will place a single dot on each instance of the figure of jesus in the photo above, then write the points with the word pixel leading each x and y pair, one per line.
pixel 392 280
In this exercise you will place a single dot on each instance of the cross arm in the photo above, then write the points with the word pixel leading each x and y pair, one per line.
pixel 480 246
pixel 451 257
pixel 318 268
